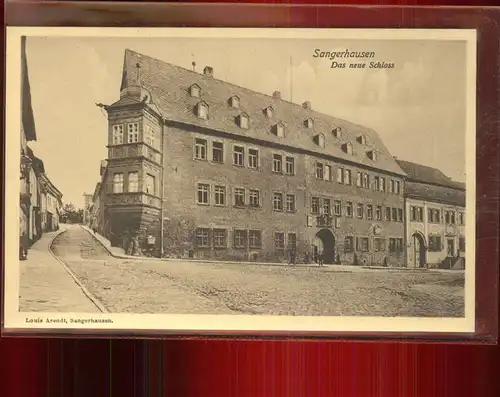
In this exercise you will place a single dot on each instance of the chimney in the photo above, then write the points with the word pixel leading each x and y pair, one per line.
pixel 307 105
pixel 208 71
pixel 277 94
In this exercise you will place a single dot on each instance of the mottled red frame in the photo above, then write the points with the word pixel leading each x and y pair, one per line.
pixel 485 20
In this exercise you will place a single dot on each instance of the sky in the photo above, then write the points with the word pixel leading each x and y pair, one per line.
pixel 417 107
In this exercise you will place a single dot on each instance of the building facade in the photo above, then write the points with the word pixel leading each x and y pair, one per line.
pixel 51 203
pixel 435 218
pixel 87 203
pixel 208 169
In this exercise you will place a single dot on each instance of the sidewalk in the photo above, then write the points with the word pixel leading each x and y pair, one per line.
pixel 46 285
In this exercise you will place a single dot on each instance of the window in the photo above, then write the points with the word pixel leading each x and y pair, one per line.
pixel 309 123
pixel 150 136
pixel 400 215
pixel 117 134
pixel 240 238
pixel 239 197
pixel 217 152
pixel 340 175
pixel 416 214
pixel 220 238
pixel 278 201
pixel 269 111
pixel 254 198
pixel 362 139
pixel 290 203
pixel 239 156
pixel 234 102
pixel 292 241
pixel 279 130
pixel 202 110
pixel 319 171
pixel 244 120
pixel 378 244
pixel 133 182
pixel 253 158
pixel 382 184
pixel 327 206
pixel 194 91
pixel 372 154
pixel 461 244
pixel 376 183
pixel 337 132
pixel 397 187
pixel 388 214
pixel 396 245
pixel 315 205
pixel 133 132
pixel 434 215
pixel 328 173
pixel 279 241
pixel 359 211
pixel 202 237
pixel 150 184
pixel 378 213
pixel 220 195
pixel 118 183
pixel 255 238
pixel 200 149
pixel 277 163
pixel 359 179
pixel 449 217
pixel 391 186
pixel 347 177
pixel 394 217
pixel 435 243
pixel 349 244
pixel 290 166
pixel 337 207
pixel 366 180
pixel 203 193
pixel 369 212
pixel 362 244
pixel 461 218
pixel 348 209
pixel 348 148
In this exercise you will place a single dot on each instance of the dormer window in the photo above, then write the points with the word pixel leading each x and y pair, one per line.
pixel 234 102
pixel 337 132
pixel 362 139
pixel 309 123
pixel 243 120
pixel 269 111
pixel 195 90
pixel 320 140
pixel 347 147
pixel 373 155
pixel 279 129
pixel 202 110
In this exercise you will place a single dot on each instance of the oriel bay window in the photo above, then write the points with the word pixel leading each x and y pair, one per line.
pixel 118 134
pixel 240 238
pixel 150 136
pixel 202 237
pixel 118 183
pixel 203 193
pixel 255 238
pixel 133 132
pixel 150 184
pixel 133 182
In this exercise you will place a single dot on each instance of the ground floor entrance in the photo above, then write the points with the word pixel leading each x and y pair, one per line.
pixel 324 243
pixel 419 250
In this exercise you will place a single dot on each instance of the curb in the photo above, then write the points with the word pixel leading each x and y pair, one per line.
pixel 85 291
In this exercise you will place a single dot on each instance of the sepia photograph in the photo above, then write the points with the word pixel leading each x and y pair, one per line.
pixel 240 179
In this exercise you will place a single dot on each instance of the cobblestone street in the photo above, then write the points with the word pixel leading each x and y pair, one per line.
pixel 154 286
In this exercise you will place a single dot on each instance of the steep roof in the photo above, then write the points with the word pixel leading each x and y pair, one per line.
pixel 169 88
pixel 28 119
pixel 425 174
pixel 439 194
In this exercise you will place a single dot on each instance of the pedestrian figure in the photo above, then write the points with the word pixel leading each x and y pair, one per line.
pixel 293 257
pixel 23 246
pixel 320 259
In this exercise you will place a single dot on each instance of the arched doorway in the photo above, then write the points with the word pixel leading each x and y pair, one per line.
pixel 324 242
pixel 419 250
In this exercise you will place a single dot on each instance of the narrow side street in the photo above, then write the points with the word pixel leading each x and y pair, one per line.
pixel 46 286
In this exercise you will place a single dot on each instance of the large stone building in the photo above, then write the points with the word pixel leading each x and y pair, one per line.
pixel 435 218
pixel 214 170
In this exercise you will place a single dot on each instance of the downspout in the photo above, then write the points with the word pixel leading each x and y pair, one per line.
pixel 162 216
